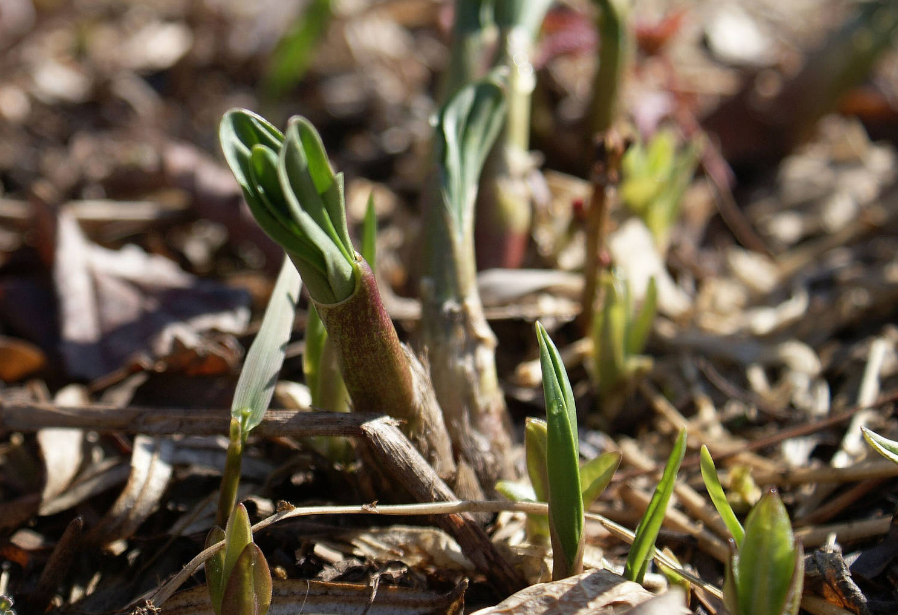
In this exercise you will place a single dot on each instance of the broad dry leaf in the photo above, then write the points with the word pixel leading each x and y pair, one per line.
pixel 295 596
pixel 598 592
pixel 116 304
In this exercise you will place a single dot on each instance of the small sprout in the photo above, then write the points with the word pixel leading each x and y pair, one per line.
pixel 654 178
pixel 562 462
pixel 619 335
pixel 885 447
pixel 295 196
pixel 6 604
pixel 765 576
pixel 255 386
pixel 643 547
pixel 718 497
pixel 595 476
pixel 237 576
pixel 369 234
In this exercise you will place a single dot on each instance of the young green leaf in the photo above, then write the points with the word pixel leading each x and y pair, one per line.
pixel 248 588
pixel 296 49
pixel 295 197
pixel 238 534
pixel 885 447
pixel 563 465
pixel 719 498
pixel 517 492
pixel 255 386
pixel 369 234
pixel 535 442
pixel 647 532
pixel 641 326
pixel 596 474
pixel 767 571
pixel 468 125
pixel 525 14
pixel 215 580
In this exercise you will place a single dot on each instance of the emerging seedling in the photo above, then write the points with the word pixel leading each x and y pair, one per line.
pixel 255 386
pixel 504 209
pixel 299 201
pixel 643 546
pixel 654 178
pixel 885 447
pixel 595 475
pixel 765 576
pixel 766 570
pixel 237 576
pixel 719 498
pixel 619 335
pixel 461 346
pixel 562 462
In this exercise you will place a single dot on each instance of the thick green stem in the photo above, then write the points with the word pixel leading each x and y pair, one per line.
pixel 380 373
pixel 472 34
pixel 230 480
pixel 613 53
pixel 504 203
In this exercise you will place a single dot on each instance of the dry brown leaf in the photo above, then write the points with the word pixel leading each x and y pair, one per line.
pixel 116 304
pixel 19 359
pixel 314 597
pixel 598 592
pixel 151 469
pixel 672 602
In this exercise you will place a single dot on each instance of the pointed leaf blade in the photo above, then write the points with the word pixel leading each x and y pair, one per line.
pixel 535 442
pixel 563 465
pixel 885 447
pixel 248 589
pixel 215 580
pixel 650 524
pixel 765 569
pixel 255 386
pixel 596 475
pixel 719 498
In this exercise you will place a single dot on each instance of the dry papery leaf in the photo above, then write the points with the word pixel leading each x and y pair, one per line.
pixel 598 592
pixel 316 598
pixel 115 304
pixel 151 469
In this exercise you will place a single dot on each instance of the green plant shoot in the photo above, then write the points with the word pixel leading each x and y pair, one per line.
pixel 765 576
pixel 619 335
pixel 655 177
pixel 295 196
pixel 562 462
pixel 296 49
pixel 255 385
pixel 595 476
pixel 461 346
pixel 238 577
pixel 885 447
pixel 614 52
pixel 643 547
pixel 299 202
pixel 719 498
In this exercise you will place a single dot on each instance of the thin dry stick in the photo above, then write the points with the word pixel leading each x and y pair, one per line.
pixel 391 448
pixel 783 434
pixel 605 176
pixel 441 508
pixel 803 476
pixel 845 532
